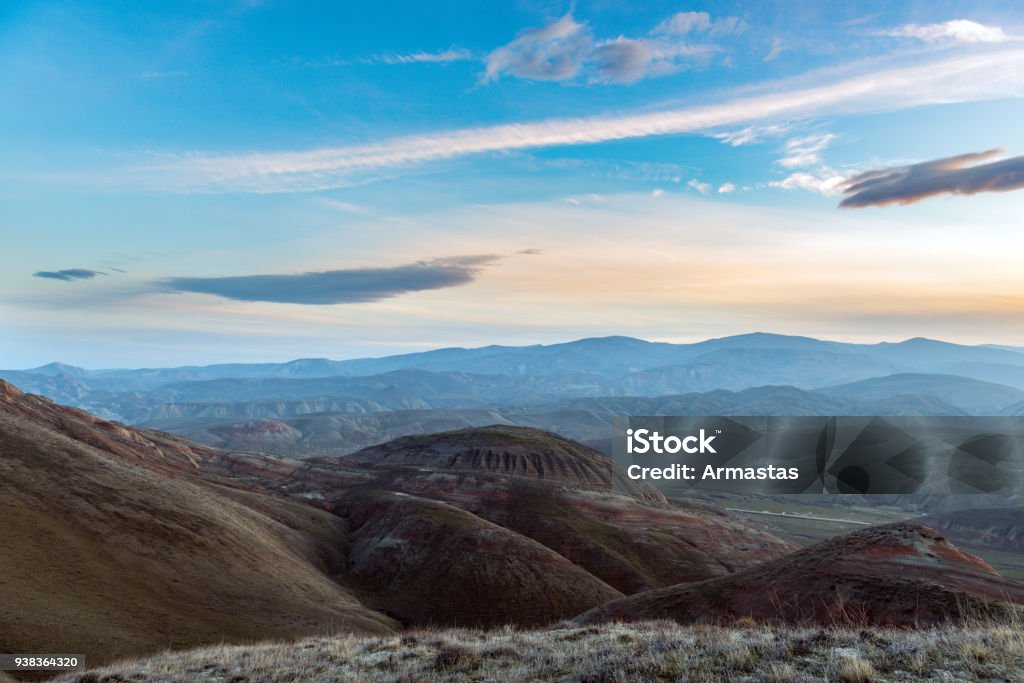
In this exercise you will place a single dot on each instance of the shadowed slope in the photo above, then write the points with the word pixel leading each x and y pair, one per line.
pixel 107 557
pixel 427 562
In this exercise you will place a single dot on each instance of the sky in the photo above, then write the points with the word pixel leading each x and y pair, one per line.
pixel 199 182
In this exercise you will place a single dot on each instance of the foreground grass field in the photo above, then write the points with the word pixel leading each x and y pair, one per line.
pixel 652 651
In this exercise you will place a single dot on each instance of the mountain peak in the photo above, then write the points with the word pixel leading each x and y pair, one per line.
pixel 57 368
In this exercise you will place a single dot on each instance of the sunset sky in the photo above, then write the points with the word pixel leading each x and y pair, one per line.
pixel 197 182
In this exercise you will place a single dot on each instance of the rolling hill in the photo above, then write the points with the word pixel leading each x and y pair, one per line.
pixel 902 574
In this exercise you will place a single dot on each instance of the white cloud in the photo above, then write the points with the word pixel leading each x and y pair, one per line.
pixel 805 151
pixel 657 193
pixel 962 78
pixel 703 188
pixel 826 182
pixel 726 188
pixel 452 54
pixel 958 30
pixel 751 134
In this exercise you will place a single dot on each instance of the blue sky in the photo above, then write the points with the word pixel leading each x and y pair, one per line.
pixel 197 182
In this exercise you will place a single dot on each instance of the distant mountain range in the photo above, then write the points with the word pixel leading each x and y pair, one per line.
pixel 574 388
pixel 807 362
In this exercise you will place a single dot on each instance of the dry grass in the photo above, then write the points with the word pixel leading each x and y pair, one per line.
pixel 856 670
pixel 650 651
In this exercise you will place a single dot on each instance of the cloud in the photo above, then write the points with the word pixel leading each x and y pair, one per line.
pixel 825 181
pixel 530 252
pixel 953 175
pixel 164 74
pixel 623 60
pixel 958 30
pixel 566 49
pixel 726 188
pixel 961 78
pixel 356 285
pixel 684 23
pixel 68 274
pixel 703 188
pixel 805 151
pixel 452 54
pixel 551 53
pixel 777 48
pixel 751 134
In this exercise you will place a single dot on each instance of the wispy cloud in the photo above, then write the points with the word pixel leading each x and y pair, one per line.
pixel 777 48
pixel 687 23
pixel 452 54
pixel 751 134
pixel 958 30
pixel 68 274
pixel 356 285
pixel 953 175
pixel 566 49
pixel 981 76
pixel 726 188
pixel 703 188
pixel 164 74
pixel 805 151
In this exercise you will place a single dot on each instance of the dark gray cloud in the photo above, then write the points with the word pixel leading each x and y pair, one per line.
pixel 952 175
pixel 68 274
pixel 351 286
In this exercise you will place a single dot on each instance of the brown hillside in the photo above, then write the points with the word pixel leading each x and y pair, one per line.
pixel 427 562
pixel 107 557
pixel 895 575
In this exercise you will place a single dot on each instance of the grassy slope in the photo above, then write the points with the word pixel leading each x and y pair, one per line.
pixel 650 651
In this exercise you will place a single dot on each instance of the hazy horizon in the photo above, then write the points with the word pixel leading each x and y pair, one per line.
pixel 510 346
